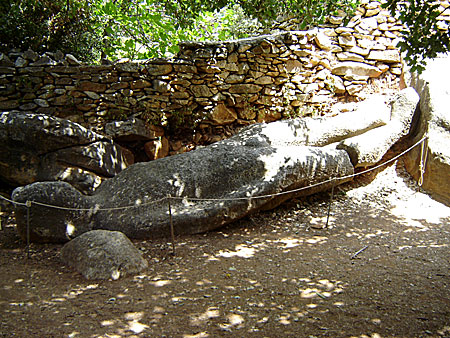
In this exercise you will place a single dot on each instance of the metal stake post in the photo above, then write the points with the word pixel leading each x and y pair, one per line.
pixel 28 204
pixel 172 232
pixel 329 203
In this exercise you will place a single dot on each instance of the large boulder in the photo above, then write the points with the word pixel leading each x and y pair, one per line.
pixel 102 254
pixel 433 120
pixel 37 147
pixel 256 169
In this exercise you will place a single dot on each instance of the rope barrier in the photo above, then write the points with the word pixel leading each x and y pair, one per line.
pixel 423 161
pixel 12 202
pixel 83 209
pixel 334 180
pixel 307 187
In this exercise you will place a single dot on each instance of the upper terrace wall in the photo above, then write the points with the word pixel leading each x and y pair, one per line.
pixel 215 83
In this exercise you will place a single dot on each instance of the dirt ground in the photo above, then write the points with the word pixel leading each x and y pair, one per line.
pixel 380 269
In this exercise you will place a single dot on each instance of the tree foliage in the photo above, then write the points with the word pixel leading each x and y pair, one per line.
pixel 153 28
pixel 422 36
pixel 310 12
pixel 142 28
pixel 49 25
pixel 135 29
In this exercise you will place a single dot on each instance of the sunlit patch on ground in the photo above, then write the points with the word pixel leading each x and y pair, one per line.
pixel 241 250
pixel 420 208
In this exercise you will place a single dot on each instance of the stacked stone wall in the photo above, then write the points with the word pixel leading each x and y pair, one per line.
pixel 211 85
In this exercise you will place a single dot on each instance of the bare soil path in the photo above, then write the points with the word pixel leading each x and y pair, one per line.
pixel 380 269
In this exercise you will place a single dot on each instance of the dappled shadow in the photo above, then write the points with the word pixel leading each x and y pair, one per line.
pixel 373 272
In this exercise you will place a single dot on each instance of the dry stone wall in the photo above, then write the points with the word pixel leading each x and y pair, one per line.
pixel 212 85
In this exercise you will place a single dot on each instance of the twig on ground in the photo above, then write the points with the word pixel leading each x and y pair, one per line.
pixel 358 252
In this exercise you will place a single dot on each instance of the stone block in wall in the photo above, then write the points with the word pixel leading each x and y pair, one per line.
pixel 109 78
pixel 358 50
pixel 161 86
pixel 63 81
pixel 389 56
pixel 85 107
pixel 117 86
pixel 44 61
pixel 158 69
pixel 141 83
pixel 95 69
pixel 201 91
pixel 41 103
pixel 347 56
pixel 222 114
pixel 60 100
pixel 247 113
pixel 323 41
pixel 244 89
pixel 232 67
pixel 77 94
pixel 92 86
pixel 92 95
pixel 21 62
pixel 184 68
pixel 233 78
pixel 180 95
pixel 10 104
pixel 7 90
pixel 347 40
pixel 7 70
pixel 72 60
pixel 264 80
pixel 125 65
pixel 355 68
pixel 36 71
pixel 28 106
pixel 5 61
pixel 269 115
pixel 64 70
pixel 293 66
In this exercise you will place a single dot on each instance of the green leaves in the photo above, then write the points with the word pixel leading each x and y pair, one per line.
pixel 153 28
pixel 421 37
pixel 310 12
pixel 49 25
pixel 135 29
pixel 157 26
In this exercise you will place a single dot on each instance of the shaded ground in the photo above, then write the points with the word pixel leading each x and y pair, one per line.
pixel 380 269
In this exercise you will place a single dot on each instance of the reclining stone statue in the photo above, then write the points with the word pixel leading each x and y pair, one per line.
pixel 257 169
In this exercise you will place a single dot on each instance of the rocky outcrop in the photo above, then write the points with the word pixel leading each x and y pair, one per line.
pixel 433 120
pixel 101 254
pixel 208 187
pixel 37 147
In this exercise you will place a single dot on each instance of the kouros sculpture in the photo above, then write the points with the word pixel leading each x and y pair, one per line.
pixel 215 185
